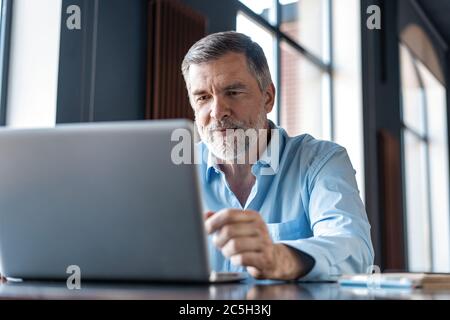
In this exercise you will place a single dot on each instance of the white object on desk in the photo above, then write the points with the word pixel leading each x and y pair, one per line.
pixel 398 280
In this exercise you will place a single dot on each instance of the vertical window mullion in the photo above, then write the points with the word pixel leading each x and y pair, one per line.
pixel 5 30
pixel 277 57
pixel 428 168
pixel 331 69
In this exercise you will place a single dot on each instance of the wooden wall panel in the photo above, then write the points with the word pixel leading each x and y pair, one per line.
pixel 393 243
pixel 173 29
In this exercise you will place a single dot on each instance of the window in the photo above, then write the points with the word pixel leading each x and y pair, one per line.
pixel 426 165
pixel 33 64
pixel 301 93
pixel 296 66
pixel 265 39
pixel 313 51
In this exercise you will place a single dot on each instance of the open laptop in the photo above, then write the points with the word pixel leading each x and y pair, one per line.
pixel 104 197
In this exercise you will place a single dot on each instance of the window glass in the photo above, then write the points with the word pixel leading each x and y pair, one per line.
pixel 266 40
pixel 306 22
pixel 302 107
pixel 412 93
pixel 418 227
pixel 438 157
pixel 264 8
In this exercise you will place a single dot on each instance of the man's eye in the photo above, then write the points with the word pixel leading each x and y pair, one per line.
pixel 233 93
pixel 202 98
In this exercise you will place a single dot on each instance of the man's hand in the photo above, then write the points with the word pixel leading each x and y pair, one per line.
pixel 242 236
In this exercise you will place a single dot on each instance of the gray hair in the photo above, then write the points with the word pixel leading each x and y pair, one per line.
pixel 215 45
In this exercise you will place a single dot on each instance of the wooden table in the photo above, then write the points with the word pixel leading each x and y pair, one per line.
pixel 247 290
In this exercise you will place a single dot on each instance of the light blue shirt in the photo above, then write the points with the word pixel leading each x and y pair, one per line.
pixel 309 200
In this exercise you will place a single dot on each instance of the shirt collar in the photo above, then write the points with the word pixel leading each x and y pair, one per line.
pixel 211 163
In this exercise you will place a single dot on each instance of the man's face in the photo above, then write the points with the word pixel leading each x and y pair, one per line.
pixel 225 95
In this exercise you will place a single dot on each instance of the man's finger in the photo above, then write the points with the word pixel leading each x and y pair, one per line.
pixel 248 259
pixel 241 245
pixel 227 216
pixel 230 231
pixel 207 214
pixel 256 273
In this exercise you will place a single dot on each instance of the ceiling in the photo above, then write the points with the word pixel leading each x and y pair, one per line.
pixel 438 11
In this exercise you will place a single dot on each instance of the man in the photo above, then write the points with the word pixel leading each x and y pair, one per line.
pixel 295 213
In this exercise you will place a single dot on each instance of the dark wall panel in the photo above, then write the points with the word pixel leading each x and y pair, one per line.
pixel 220 14
pixel 381 111
pixel 121 64
pixel 102 66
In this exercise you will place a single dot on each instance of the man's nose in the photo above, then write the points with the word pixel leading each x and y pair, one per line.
pixel 219 109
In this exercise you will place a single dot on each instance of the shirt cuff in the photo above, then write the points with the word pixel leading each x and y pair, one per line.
pixel 321 271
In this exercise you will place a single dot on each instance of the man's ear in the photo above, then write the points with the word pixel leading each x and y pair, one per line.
pixel 269 97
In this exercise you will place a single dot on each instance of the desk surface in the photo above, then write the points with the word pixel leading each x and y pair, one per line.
pixel 250 290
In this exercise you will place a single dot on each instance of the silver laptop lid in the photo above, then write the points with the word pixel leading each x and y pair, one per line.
pixel 106 197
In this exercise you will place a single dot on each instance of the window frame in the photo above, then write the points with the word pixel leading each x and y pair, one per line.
pixel 5 44
pixel 423 139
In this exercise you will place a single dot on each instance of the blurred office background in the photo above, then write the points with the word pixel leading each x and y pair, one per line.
pixel 381 93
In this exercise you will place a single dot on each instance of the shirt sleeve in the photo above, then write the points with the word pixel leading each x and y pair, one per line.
pixel 341 242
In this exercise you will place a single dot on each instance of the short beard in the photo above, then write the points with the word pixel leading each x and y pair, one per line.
pixel 236 144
